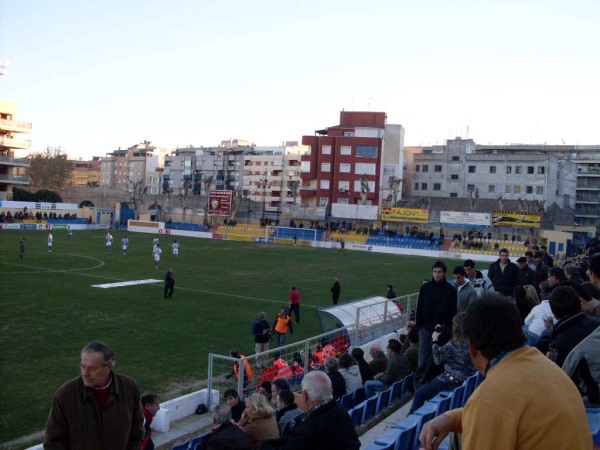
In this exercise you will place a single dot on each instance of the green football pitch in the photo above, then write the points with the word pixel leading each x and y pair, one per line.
pixel 50 308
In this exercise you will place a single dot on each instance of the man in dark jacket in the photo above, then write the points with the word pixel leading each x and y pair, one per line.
pixel 326 425
pixel 336 291
pixel 397 368
pixel 436 305
pixel 98 410
pixel 573 324
pixel 504 274
pixel 225 435
pixel 526 274
pixel 150 406
pixel 169 283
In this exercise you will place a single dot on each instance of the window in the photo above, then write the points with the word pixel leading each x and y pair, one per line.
pixel 456 158
pixel 453 195
pixel 454 176
pixel 364 169
pixel 492 169
pixel 344 186
pixel 345 168
pixel 416 186
pixel 305 166
pixel 472 169
pixel 529 189
pixel 348 133
pixel 324 184
pixel 539 190
pixel 326 149
pixel 508 169
pixel 323 201
pixel 345 150
pixel 357 186
pixel 437 186
pixel 423 186
pixel 366 151
pixel 530 170
pixel 491 188
pixel 418 168
pixel 425 168
pixel 518 170
pixel 470 187
pixel 437 168
pixel 325 167
pixel 508 189
pixel 342 201
pixel 541 170
pixel 516 189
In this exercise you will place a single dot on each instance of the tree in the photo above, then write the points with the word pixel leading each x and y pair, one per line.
pixel 50 169
pixel 43 195
pixel 138 192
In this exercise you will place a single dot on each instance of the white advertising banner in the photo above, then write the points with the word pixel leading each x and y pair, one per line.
pixel 466 218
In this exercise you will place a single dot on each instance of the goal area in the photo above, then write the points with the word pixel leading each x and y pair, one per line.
pixel 306 237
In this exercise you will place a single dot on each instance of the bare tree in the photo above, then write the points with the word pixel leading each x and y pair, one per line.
pixel 184 194
pixel 207 182
pixel 473 195
pixel 394 187
pixel 294 186
pixel 236 201
pixel 364 189
pixel 138 192
pixel 500 202
pixel 160 208
pixel 50 169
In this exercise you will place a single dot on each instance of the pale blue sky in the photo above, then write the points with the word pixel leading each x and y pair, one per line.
pixel 95 76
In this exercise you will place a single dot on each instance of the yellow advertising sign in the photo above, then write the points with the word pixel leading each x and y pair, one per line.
pixel 409 215
pixel 517 219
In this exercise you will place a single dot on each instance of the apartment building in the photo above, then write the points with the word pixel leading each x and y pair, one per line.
pixel 124 169
pixel 357 162
pixel 12 168
pixel 85 173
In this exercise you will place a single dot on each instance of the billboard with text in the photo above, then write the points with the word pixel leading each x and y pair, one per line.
pixel 219 202
pixel 408 215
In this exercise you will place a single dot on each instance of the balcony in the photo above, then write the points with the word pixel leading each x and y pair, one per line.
pixel 14 179
pixel 15 126
pixel 14 143
pixel 15 162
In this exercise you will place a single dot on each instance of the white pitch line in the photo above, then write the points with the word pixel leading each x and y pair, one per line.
pixel 126 283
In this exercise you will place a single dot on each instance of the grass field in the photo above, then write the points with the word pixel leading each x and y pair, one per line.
pixel 49 309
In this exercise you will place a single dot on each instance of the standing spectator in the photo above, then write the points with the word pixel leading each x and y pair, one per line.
pixel 573 325
pixel 169 283
pixel 248 374
pixel 332 368
pixel 592 306
pixel 225 434
pixel 365 371
pixel 465 292
pixel 541 270
pixel 572 273
pixel 157 252
pixel 175 247
pixel 397 368
pixel 436 305
pixel 283 324
pixel 504 274
pixel 22 249
pixel 125 244
pixel 548 261
pixel 478 280
pixel 262 334
pixel 150 406
pixel 50 240
pixel 594 270
pixel 258 420
pixel 391 293
pixel 287 409
pixel 235 403
pixel 351 372
pixel 583 367
pixel 98 392
pixel 454 355
pixel 295 303
pixel 530 261
pixel 526 274
pixel 379 360
pixel 326 425
pixel 336 290
pixel 503 413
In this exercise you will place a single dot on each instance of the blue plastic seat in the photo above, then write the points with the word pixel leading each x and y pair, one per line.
pixel 183 446
pixel 383 400
pixel 356 414
pixel 346 401
pixel 442 402
pixel 407 384
pixel 370 408
pixel 424 414
pixel 593 418
pixel 408 428
pixel 470 385
pixel 396 393
pixel 359 396
pixel 457 397
pixel 196 443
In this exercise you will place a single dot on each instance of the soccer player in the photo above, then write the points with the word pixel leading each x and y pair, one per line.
pixel 175 246
pixel 125 242
pixel 109 239
pixel 50 239
pixel 22 248
pixel 154 243
pixel 69 232
pixel 157 251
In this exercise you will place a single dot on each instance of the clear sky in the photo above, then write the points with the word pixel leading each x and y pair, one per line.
pixel 94 76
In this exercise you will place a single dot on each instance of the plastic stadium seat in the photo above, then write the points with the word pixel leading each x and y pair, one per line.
pixel 407 384
pixel 370 408
pixel 593 418
pixel 388 439
pixel 383 400
pixel 358 396
pixel 356 414
pixel 424 414
pixel 184 446
pixel 470 385
pixel 374 446
pixel 408 430
pixel 480 379
pixel 445 444
pixel 457 397
pixel 346 401
pixel 442 402
pixel 196 442
pixel 396 391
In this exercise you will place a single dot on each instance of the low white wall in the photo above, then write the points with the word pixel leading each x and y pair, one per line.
pixel 181 407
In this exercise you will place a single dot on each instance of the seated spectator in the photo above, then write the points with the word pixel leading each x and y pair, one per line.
pixel 592 306
pixel 397 368
pixel 234 402
pixel 523 302
pixel 287 409
pixel 379 360
pixel 412 352
pixel 351 372
pixel 225 434
pixel 265 389
pixel 258 420
pixel 409 326
pixel 583 367
pixel 455 357
pixel 572 326
pixel 332 368
pixel 363 365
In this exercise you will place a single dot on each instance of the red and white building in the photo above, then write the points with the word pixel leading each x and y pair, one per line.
pixel 357 163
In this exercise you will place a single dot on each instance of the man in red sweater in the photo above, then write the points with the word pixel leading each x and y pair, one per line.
pixel 295 303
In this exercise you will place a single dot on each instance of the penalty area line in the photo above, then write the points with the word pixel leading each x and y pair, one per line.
pixel 126 283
